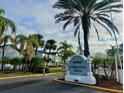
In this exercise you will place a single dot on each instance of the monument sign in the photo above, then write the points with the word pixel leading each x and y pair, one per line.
pixel 79 70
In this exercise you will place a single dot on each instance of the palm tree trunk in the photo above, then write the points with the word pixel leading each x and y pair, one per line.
pixel 36 51
pixel 104 66
pixel 85 25
pixel 3 53
pixel 25 66
pixel 49 55
pixel 64 68
pixel 44 67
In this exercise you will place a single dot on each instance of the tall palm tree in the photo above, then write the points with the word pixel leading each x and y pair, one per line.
pixel 40 42
pixel 50 45
pixel 3 43
pixel 26 46
pixel 84 13
pixel 5 24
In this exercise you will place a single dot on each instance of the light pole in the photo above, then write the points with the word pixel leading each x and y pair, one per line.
pixel 117 56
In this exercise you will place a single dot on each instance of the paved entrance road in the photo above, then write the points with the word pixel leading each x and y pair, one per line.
pixel 41 85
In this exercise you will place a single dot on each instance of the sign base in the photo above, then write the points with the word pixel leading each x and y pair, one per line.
pixel 89 79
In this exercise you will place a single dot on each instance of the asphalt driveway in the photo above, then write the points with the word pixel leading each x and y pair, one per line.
pixel 41 85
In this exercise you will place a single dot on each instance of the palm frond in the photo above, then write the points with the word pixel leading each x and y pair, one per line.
pixel 109 23
pixel 2 11
pixel 96 31
pixel 77 30
pixel 110 33
pixel 68 22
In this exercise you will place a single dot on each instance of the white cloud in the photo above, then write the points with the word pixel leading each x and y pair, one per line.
pixel 42 21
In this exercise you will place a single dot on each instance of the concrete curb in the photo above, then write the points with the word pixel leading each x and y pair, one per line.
pixel 3 78
pixel 88 86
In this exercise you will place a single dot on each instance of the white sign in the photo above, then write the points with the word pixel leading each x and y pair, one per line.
pixel 79 70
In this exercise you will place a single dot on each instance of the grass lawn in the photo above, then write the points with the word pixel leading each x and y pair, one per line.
pixel 15 73
pixel 54 70
pixel 11 73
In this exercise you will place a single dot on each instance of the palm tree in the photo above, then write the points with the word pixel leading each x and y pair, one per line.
pixel 63 50
pixel 111 52
pixel 5 24
pixel 83 13
pixel 3 44
pixel 50 45
pixel 40 42
pixel 26 46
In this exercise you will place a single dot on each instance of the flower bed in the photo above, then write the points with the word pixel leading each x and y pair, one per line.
pixel 110 84
pixel 104 85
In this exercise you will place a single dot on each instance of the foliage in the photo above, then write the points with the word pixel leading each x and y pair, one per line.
pixel 26 45
pixel 64 50
pixel 54 70
pixel 99 61
pixel 6 60
pixel 5 24
pixel 40 42
pixel 16 61
pixel 36 64
pixel 50 45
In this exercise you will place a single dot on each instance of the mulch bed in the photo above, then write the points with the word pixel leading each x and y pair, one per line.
pixel 111 84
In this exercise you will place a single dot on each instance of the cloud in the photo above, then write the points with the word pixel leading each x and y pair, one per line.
pixel 38 17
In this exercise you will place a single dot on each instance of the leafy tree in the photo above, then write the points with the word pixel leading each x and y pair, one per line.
pixel 84 13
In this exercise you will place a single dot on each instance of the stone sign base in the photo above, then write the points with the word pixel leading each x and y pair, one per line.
pixel 89 79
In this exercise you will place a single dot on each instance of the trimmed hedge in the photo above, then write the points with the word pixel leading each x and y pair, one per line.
pixel 54 70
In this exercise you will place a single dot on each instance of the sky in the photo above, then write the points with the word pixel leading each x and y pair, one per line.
pixel 37 16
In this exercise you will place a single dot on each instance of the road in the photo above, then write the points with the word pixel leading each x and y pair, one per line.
pixel 40 85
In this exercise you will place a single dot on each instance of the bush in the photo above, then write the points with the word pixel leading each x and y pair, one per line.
pixel 97 79
pixel 36 65
pixel 54 70
pixel 6 60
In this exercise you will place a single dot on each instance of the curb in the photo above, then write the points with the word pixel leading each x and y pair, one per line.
pixel 88 86
pixel 27 76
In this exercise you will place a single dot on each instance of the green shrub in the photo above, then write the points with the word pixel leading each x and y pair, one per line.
pixel 54 70
pixel 36 65
pixel 6 60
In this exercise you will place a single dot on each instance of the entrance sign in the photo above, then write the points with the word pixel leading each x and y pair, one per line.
pixel 78 66
pixel 79 70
